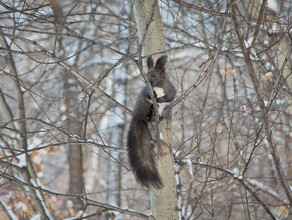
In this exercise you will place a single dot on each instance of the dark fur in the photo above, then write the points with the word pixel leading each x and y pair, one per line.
pixel 141 156
pixel 140 144
pixel 158 78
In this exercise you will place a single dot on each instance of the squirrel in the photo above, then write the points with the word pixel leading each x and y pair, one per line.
pixel 139 142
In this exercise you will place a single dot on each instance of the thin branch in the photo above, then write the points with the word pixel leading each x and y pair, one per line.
pixel 264 112
pixel 199 8
pixel 88 201
pixel 242 182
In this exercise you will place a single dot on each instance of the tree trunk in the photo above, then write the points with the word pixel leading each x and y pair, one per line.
pixel 73 126
pixel 117 126
pixel 73 115
pixel 163 201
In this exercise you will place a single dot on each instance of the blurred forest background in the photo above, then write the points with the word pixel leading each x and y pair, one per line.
pixel 69 76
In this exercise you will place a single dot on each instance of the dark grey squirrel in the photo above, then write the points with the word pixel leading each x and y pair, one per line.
pixel 140 144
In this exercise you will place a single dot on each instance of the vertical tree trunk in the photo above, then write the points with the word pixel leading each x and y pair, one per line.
pixel 117 125
pixel 73 126
pixel 163 201
pixel 73 113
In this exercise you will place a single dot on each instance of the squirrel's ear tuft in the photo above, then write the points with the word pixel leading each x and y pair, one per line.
pixel 160 63
pixel 150 62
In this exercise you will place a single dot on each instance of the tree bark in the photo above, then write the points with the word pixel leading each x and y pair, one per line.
pixel 73 115
pixel 117 126
pixel 150 33
pixel 74 126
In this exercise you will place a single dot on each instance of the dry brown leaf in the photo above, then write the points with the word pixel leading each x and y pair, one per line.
pixel 283 211
pixel 52 149
pixel 227 67
pixel 223 74
pixel 218 128
pixel 226 72
pixel 268 76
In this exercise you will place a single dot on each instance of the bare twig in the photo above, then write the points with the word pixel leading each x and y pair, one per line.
pixel 264 112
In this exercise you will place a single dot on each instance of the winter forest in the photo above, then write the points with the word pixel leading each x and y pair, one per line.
pixel 70 73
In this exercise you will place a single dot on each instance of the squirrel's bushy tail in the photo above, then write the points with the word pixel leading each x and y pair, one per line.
pixel 141 155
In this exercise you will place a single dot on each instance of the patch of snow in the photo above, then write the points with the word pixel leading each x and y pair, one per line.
pixel 39 196
pixel 273 5
pixel 224 49
pixel 190 167
pixel 176 168
pixel 34 142
pixel 266 43
pixel 69 204
pixel 71 81
pixel 63 108
pixel 74 136
pixel 176 179
pixel 161 136
pixel 264 188
pixel 38 158
pixel 235 172
pixel 22 206
pixel 22 160
pixel 63 118
pixel 248 42
pixel 35 217
pixel 40 174
pixel 275 29
pixel 280 101
pixel 179 202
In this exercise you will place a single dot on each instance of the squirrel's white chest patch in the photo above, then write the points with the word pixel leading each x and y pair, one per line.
pixel 159 91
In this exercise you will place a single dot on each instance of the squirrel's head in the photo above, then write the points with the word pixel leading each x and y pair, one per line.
pixel 156 74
